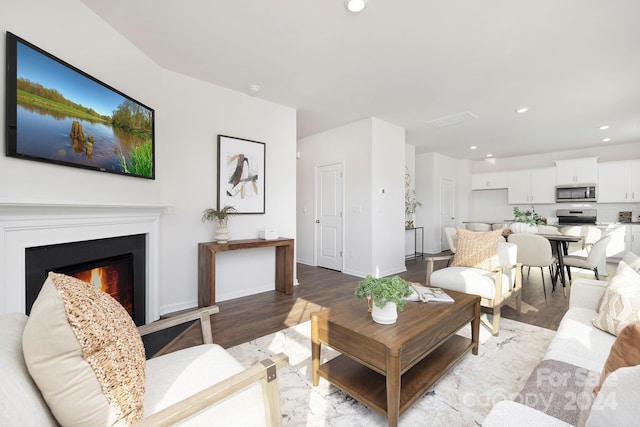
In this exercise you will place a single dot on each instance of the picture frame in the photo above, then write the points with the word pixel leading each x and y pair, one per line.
pixel 241 174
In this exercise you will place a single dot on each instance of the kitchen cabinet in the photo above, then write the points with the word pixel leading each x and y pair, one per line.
pixel 530 186
pixel 633 238
pixel 489 181
pixel 577 171
pixel 619 182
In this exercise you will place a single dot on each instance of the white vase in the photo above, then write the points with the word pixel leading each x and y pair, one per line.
pixel 523 227
pixel 221 235
pixel 386 315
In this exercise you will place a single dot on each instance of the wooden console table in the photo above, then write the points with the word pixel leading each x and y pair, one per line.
pixel 207 265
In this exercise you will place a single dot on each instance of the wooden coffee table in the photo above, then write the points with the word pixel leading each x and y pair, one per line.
pixel 389 367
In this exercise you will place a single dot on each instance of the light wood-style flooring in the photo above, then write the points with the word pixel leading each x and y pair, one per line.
pixel 243 319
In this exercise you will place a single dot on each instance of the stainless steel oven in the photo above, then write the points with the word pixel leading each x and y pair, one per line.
pixel 577 216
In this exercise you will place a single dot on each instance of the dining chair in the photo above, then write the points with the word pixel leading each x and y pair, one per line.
pixel 548 229
pixel 478 226
pixel 535 251
pixel 591 261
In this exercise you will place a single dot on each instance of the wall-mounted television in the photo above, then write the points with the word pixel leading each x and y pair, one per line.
pixel 56 113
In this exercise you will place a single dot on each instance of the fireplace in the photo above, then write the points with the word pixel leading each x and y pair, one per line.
pixel 116 265
pixel 25 225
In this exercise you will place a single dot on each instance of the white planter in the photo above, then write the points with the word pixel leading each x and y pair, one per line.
pixel 386 315
pixel 523 227
pixel 221 235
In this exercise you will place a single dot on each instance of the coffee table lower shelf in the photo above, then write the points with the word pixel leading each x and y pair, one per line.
pixel 369 387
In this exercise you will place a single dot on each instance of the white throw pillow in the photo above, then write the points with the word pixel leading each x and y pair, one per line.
pixel 617 402
pixel 621 301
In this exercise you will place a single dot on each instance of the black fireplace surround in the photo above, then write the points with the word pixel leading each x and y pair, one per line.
pixel 85 254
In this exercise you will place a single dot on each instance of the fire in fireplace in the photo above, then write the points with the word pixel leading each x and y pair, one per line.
pixel 112 275
pixel 116 265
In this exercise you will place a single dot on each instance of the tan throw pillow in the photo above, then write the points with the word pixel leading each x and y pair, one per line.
pixel 621 301
pixel 478 250
pixel 625 351
pixel 84 353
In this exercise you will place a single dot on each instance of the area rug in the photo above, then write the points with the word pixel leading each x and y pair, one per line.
pixel 463 397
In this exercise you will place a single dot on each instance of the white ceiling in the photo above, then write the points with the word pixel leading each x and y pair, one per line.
pixel 574 63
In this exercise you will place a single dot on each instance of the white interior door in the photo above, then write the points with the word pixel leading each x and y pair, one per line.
pixel 447 209
pixel 329 216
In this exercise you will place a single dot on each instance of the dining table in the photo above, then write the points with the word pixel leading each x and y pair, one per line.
pixel 561 242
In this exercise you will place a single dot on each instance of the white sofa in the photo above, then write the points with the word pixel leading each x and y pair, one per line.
pixel 559 391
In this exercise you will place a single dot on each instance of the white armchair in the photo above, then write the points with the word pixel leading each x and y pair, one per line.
pixel 495 287
pixel 200 385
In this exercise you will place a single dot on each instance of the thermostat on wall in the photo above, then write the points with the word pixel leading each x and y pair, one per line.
pixel 269 234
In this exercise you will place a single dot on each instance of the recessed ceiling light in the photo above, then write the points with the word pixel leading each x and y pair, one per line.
pixel 522 110
pixel 606 140
pixel 355 6
pixel 604 127
pixel 489 155
pixel 473 147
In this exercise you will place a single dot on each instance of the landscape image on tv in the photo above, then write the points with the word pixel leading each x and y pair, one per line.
pixel 65 116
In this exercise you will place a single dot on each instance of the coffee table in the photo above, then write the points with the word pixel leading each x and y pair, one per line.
pixel 389 367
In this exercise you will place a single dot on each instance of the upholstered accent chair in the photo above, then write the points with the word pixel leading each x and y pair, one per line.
pixel 485 265
pixel 73 361
pixel 452 238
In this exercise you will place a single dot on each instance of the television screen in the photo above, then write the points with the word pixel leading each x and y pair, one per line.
pixel 58 114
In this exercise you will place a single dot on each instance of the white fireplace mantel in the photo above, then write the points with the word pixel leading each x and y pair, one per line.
pixel 31 224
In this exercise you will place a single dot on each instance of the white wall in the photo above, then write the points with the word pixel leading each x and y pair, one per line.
pixel 431 168
pixel 189 116
pixel 349 145
pixel 388 160
pixel 372 155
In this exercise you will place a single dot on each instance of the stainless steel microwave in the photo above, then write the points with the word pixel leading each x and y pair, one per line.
pixel 576 193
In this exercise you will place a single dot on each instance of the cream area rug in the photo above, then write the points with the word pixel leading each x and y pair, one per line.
pixel 463 397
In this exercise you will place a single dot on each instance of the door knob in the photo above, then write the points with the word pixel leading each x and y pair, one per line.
pixel 317 221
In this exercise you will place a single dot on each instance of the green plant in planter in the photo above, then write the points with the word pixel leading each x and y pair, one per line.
pixel 386 289
pixel 219 215
pixel 527 217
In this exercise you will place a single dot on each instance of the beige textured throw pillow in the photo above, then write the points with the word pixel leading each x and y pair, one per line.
pixel 621 301
pixel 84 353
pixel 478 250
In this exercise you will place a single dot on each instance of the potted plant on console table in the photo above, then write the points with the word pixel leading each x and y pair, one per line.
pixel 221 218
pixel 386 296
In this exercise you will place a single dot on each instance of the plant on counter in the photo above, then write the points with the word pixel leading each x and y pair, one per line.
pixel 528 217
pixel 385 289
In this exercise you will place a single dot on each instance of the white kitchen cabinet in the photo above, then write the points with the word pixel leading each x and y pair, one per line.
pixel 532 186
pixel 577 171
pixel 489 181
pixel 619 182
pixel 618 244
pixel 633 238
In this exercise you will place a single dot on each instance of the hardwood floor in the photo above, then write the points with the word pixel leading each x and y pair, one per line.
pixel 247 318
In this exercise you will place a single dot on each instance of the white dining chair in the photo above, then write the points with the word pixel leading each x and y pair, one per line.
pixel 478 226
pixel 592 260
pixel 535 251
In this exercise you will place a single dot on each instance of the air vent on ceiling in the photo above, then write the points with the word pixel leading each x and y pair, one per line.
pixel 453 119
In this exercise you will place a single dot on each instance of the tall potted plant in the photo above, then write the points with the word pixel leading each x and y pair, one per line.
pixel 220 217
pixel 387 295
